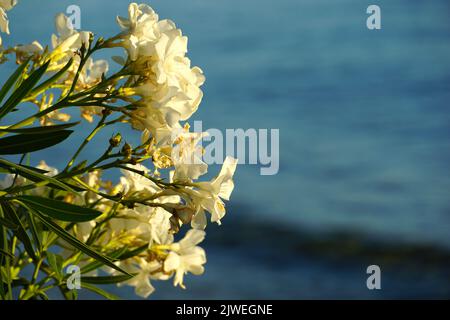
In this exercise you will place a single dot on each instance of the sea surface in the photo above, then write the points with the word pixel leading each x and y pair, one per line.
pixel 364 141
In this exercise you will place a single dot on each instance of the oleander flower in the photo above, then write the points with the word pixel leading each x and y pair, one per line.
pixel 92 72
pixel 140 29
pixel 48 119
pixel 135 182
pixel 146 271
pixel 170 87
pixel 5 5
pixel 187 156
pixel 185 256
pixel 23 52
pixel 49 171
pixel 90 75
pixel 66 43
pixel 208 195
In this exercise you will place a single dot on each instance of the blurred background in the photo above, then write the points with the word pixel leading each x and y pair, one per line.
pixel 364 141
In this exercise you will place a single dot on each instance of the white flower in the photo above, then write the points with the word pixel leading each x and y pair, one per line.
pixel 135 182
pixel 91 75
pixel 160 226
pixel 145 223
pixel 185 256
pixel 29 49
pixel 141 281
pixel 171 90
pixel 9 179
pixel 67 43
pixel 5 5
pixel 92 72
pixel 47 119
pixel 66 31
pixel 8 4
pixel 187 156
pixel 209 194
pixel 51 171
pixel 139 29
pixel 146 271
pixel 83 230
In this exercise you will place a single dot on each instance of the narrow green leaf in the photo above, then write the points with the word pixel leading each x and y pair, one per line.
pixel 43 295
pixel 41 130
pixel 77 243
pixel 46 84
pixel 131 253
pixel 4 261
pixel 97 264
pixel 106 279
pixel 60 210
pixel 20 282
pixel 23 143
pixel 21 232
pixel 12 79
pixel 34 230
pixel 6 253
pixel 23 90
pixel 6 169
pixel 8 224
pixel 24 170
pixel 56 263
pixel 99 291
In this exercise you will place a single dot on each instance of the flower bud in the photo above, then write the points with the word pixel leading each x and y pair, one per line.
pixel 127 150
pixel 115 141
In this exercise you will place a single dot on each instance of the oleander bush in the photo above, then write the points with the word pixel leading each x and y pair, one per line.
pixel 146 227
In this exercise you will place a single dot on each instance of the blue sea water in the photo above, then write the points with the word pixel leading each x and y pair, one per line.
pixel 364 138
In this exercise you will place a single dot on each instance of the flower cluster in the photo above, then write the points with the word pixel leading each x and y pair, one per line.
pixel 168 87
pixel 153 219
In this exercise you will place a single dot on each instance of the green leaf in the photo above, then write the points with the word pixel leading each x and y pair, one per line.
pixel 34 231
pixel 12 79
pixel 21 232
pixel 131 253
pixel 6 169
pixel 6 253
pixel 43 295
pixel 106 279
pixel 20 282
pixel 23 143
pixel 97 264
pixel 60 210
pixel 8 224
pixel 41 130
pixel 46 84
pixel 23 90
pixel 99 291
pixel 23 170
pixel 56 263
pixel 77 243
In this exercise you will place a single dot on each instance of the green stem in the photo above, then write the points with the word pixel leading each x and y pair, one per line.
pixel 99 126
